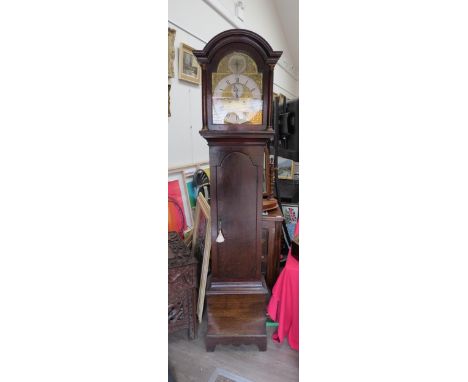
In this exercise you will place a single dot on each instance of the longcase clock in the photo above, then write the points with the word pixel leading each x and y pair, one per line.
pixel 237 85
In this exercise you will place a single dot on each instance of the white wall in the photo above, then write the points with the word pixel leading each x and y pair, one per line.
pixel 196 22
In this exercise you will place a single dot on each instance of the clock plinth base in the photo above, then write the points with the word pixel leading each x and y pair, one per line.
pixel 236 314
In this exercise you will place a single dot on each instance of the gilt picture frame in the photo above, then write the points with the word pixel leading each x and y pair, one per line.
pixel 285 168
pixel 201 247
pixel 170 52
pixel 189 69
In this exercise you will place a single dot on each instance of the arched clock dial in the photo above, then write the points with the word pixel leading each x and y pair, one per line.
pixel 237 96
pixel 237 99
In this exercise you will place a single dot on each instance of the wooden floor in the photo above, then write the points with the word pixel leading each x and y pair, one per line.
pixel 189 361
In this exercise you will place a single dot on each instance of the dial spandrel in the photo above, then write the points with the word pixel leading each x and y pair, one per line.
pixel 237 91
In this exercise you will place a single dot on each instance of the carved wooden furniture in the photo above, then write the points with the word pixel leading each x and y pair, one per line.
pixel 182 284
pixel 269 201
pixel 271 245
pixel 237 82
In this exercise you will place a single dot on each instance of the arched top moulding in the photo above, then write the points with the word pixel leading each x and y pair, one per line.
pixel 237 38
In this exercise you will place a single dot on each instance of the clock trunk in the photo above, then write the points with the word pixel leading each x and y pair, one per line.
pixel 237 182
pixel 236 293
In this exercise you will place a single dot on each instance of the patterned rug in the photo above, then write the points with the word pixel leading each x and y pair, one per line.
pixel 221 375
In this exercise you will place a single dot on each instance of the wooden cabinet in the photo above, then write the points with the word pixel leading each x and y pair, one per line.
pixel 182 287
pixel 271 246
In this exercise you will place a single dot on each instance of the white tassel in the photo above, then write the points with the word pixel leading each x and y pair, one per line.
pixel 220 238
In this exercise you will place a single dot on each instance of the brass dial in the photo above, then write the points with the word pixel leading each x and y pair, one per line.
pixel 237 91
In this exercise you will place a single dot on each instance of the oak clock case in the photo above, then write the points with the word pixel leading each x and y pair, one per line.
pixel 237 81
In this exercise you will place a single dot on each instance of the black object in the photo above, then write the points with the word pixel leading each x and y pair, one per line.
pixel 288 132
pixel 286 145
pixel 201 182
pixel 288 190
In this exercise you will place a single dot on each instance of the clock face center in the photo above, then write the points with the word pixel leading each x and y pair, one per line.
pixel 236 99
pixel 237 90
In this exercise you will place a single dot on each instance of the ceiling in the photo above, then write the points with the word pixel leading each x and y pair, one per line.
pixel 288 12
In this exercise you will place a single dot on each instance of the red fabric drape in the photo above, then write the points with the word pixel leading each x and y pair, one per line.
pixel 284 302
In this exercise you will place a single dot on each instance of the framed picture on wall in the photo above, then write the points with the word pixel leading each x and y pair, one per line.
pixel 285 168
pixel 189 70
pixel 291 216
pixel 170 52
pixel 191 191
pixel 188 172
pixel 180 212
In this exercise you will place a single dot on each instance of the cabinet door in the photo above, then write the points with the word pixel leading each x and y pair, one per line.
pixel 237 201
pixel 271 247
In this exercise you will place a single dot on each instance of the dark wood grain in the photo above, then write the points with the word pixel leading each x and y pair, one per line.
pixel 271 246
pixel 236 260
pixel 236 168
pixel 236 314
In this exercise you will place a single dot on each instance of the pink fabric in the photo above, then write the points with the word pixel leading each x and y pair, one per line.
pixel 284 302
